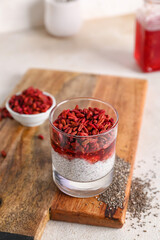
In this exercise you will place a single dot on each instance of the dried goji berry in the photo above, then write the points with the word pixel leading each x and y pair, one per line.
pixel 3 153
pixel 83 122
pixel 40 136
pixel 30 101
pixel 4 113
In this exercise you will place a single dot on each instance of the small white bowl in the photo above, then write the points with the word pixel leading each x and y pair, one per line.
pixel 31 120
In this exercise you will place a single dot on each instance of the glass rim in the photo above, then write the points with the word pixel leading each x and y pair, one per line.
pixel 83 98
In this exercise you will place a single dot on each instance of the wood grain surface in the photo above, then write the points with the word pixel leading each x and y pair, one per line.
pixel 27 191
pixel 127 95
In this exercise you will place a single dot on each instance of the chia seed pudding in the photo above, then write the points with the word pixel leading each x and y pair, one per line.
pixel 81 170
pixel 83 147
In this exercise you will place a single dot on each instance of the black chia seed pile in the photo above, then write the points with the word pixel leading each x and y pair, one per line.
pixel 143 200
pixel 115 194
pixel 139 199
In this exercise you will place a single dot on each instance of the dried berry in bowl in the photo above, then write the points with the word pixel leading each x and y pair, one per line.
pixel 31 107
pixel 83 139
pixel 30 101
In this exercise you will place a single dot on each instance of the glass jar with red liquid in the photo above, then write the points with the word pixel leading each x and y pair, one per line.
pixel 147 41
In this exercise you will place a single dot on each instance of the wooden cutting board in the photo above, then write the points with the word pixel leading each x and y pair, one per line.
pixel 27 191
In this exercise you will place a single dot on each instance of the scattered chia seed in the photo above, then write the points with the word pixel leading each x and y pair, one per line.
pixel 139 201
pixel 114 196
pixel 141 197
pixel 143 200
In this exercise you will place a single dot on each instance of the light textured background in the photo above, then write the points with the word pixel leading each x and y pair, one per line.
pixel 21 14
pixel 103 46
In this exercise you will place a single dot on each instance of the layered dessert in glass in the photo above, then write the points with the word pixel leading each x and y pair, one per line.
pixel 83 138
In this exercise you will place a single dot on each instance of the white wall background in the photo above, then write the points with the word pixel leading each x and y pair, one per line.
pixel 21 14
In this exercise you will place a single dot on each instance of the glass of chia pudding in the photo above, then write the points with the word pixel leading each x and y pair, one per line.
pixel 83 135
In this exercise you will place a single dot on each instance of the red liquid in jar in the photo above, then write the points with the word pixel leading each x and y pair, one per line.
pixel 147 48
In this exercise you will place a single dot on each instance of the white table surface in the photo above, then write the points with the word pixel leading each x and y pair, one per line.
pixel 103 46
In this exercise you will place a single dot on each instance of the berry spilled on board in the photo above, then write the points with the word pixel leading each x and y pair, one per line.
pixel 40 136
pixel 3 154
pixel 4 113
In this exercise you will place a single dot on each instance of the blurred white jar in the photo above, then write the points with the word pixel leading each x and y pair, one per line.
pixel 63 18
